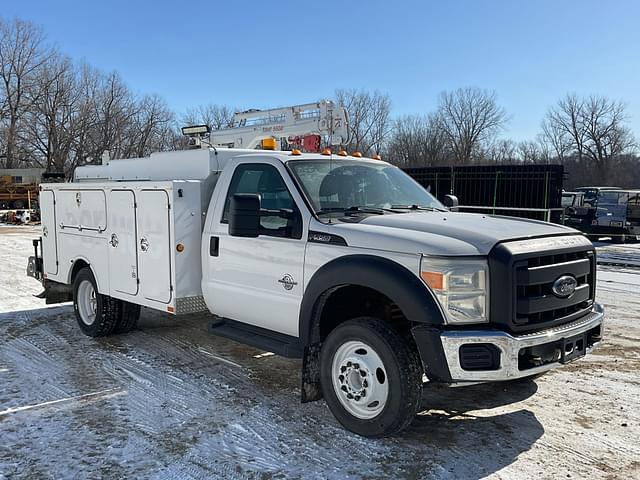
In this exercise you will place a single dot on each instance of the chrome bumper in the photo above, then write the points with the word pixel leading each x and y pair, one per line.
pixel 510 347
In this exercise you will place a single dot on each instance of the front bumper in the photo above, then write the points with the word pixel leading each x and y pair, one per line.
pixel 512 348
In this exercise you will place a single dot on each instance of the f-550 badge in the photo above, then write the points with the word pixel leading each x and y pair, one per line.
pixel 287 282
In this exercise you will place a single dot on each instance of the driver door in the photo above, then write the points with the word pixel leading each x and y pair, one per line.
pixel 259 281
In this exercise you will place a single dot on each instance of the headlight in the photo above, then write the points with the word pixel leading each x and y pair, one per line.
pixel 461 286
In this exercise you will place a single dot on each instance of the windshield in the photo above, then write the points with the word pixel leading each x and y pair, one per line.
pixel 612 198
pixel 567 200
pixel 343 185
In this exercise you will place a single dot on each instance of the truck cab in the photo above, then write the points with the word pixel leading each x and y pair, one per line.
pixel 342 261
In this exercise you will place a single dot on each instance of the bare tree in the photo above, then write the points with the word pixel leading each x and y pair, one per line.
pixel 591 128
pixel 214 115
pixel 149 127
pixel 469 117
pixel 22 53
pixel 369 119
pixel 46 133
pixel 416 141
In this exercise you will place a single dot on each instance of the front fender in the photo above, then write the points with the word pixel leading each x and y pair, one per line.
pixel 393 280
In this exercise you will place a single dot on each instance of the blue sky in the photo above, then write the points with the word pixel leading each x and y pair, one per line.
pixel 264 54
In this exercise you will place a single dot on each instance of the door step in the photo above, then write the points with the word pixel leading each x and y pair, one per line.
pixel 278 343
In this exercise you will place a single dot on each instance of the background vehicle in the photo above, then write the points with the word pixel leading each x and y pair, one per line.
pixel 591 193
pixel 342 261
pixel 617 215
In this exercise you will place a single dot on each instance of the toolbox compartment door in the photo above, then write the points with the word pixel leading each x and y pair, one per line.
pixel 154 245
pixel 121 237
pixel 49 235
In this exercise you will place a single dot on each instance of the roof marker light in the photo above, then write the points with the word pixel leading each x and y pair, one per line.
pixel 356 154
pixel 326 151
pixel 295 151
pixel 343 153
pixel 376 157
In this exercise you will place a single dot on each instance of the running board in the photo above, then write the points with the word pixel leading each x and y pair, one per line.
pixel 278 343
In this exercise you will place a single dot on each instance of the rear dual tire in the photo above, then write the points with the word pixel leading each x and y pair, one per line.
pixel 100 315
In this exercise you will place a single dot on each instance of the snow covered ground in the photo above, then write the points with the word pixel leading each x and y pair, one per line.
pixel 171 401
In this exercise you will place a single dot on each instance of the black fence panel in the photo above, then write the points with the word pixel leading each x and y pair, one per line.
pixel 496 187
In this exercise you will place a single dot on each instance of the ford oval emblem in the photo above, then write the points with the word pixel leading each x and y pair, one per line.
pixel 564 286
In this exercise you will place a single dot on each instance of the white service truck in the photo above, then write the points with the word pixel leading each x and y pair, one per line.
pixel 342 261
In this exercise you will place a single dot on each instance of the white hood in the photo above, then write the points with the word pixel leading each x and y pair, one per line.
pixel 441 233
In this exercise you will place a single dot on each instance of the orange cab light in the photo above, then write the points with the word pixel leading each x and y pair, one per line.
pixel 377 157
pixel 356 154
pixel 295 151
pixel 326 151
pixel 180 247
pixel 343 153
pixel 434 279
pixel 268 143
pixel 171 309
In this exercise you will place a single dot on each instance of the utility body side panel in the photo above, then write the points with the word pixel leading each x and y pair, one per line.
pixel 154 245
pixel 123 252
pixel 127 232
pixel 49 236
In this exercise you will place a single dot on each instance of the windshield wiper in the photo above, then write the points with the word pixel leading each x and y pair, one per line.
pixel 419 207
pixel 356 209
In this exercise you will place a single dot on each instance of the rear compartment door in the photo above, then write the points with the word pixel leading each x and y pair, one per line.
pixel 154 245
pixel 49 240
pixel 121 234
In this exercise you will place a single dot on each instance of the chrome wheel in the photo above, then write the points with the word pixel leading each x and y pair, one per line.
pixel 359 379
pixel 87 302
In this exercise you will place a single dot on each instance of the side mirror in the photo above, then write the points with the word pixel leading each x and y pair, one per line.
pixel 244 215
pixel 451 202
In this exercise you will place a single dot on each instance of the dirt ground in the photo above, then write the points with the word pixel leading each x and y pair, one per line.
pixel 171 401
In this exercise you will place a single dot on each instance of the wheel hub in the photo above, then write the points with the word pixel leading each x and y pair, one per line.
pixel 87 302
pixel 354 380
pixel 359 379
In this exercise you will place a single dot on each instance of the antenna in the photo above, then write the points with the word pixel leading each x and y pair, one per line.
pixel 330 114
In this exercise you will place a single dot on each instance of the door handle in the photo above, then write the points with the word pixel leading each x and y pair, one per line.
pixel 214 246
pixel 144 244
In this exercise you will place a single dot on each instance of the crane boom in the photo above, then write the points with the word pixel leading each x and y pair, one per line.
pixel 285 125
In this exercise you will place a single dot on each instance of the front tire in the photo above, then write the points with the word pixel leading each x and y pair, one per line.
pixel 371 377
pixel 97 314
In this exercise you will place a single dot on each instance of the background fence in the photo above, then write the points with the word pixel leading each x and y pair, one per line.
pixel 530 191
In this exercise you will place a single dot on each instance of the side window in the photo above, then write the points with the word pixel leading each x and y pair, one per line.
pixel 266 181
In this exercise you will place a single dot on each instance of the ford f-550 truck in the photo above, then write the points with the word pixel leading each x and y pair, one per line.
pixel 342 261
